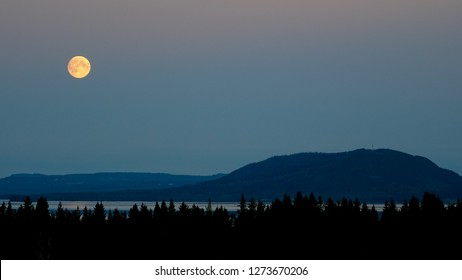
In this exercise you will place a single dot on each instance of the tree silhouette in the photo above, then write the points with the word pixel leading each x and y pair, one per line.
pixel 242 206
pixel 3 210
pixel 9 210
pixel 99 214
pixel 86 215
pixel 117 218
pixel 171 208
pixel 145 216
pixel 432 207
pixel 390 213
pixel 60 214
pixel 252 209
pixel 208 209
pixel 42 214
pixel 133 214
pixel 183 210
pixel 260 213
pixel 25 211
pixel 303 226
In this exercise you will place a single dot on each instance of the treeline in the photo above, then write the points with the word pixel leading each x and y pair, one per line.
pixel 302 227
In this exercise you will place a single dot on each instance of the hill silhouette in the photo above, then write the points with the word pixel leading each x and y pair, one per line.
pixel 25 184
pixel 372 176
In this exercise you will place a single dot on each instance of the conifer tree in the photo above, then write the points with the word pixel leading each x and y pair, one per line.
pixel 183 210
pixel 299 204
pixel 9 211
pixel 287 202
pixel 109 216
pixel 163 209
pixel 242 206
pixel 76 216
pixel 432 208
pixel 390 213
pixel 42 215
pixel 25 211
pixel 171 208
pixel 3 209
pixel 208 209
pixel 86 215
pixel 117 218
pixel 133 214
pixel 252 209
pixel 414 207
pixel 260 209
pixel 99 214
pixel 60 214
pixel 145 216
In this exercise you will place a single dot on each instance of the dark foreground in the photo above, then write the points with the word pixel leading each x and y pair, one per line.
pixel 304 227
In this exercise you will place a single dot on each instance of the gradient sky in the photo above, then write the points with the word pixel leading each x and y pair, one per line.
pixel 206 86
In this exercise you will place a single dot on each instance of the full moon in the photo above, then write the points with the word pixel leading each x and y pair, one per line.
pixel 79 67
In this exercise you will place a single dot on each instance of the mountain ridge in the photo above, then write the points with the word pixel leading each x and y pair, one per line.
pixel 370 175
pixel 394 175
pixel 33 183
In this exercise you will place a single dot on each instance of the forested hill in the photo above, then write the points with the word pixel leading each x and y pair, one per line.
pixel 371 175
pixel 27 184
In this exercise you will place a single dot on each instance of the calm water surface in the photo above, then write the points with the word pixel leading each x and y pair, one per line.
pixel 123 205
pixel 126 205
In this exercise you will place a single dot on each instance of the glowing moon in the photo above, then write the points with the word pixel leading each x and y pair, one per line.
pixel 79 67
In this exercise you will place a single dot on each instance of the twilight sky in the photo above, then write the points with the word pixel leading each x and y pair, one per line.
pixel 206 86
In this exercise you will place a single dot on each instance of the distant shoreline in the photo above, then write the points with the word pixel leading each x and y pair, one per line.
pixel 127 205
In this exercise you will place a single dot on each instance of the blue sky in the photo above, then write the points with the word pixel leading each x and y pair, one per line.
pixel 202 86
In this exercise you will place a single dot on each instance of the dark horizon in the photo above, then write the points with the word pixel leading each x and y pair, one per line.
pixel 370 175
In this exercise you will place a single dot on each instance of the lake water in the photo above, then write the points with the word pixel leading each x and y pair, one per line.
pixel 126 205
pixel 123 205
